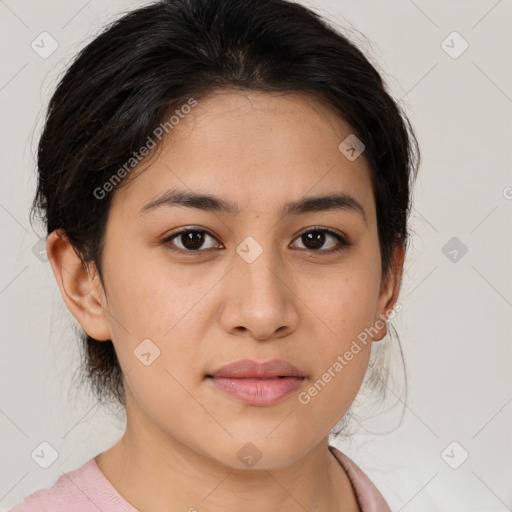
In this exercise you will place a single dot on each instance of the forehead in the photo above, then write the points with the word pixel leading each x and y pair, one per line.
pixel 256 149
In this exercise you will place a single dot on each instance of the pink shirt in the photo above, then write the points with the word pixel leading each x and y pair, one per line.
pixel 86 489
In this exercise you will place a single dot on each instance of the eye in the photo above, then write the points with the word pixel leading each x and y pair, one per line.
pixel 315 238
pixel 189 240
pixel 192 240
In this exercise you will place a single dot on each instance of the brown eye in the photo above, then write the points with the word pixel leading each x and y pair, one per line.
pixel 315 240
pixel 189 240
pixel 192 241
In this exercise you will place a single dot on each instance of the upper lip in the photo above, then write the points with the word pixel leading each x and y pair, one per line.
pixel 248 368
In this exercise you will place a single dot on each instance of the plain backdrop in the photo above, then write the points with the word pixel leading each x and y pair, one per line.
pixel 448 63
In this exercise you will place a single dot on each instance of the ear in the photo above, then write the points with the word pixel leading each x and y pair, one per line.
pixel 390 288
pixel 79 285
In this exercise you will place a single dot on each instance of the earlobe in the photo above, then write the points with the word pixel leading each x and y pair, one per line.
pixel 389 291
pixel 79 286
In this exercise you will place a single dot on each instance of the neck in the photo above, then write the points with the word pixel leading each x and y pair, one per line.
pixel 153 470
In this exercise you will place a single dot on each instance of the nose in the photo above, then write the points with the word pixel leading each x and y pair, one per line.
pixel 258 299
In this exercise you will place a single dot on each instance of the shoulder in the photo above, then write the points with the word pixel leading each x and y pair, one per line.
pixel 369 497
pixel 70 490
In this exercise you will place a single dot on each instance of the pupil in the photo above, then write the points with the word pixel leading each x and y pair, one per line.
pixel 192 239
pixel 315 238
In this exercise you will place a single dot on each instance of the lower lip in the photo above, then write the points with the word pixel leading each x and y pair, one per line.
pixel 258 391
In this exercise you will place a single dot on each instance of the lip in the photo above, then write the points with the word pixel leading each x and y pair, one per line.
pixel 248 368
pixel 258 383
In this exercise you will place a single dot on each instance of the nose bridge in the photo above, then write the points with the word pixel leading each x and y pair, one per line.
pixel 258 299
pixel 258 266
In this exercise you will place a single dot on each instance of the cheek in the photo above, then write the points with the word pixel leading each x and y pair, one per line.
pixel 331 392
pixel 164 304
pixel 343 300
pixel 341 352
pixel 150 298
pixel 161 399
pixel 343 310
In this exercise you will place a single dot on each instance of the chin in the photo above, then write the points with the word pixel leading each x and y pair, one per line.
pixel 245 452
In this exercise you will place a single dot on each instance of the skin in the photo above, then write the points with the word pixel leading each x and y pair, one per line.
pixel 205 310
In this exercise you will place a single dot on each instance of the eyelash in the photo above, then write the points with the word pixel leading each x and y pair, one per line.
pixel 343 242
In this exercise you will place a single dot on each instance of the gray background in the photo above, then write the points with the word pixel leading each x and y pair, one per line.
pixel 455 325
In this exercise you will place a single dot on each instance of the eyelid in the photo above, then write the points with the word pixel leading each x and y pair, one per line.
pixel 343 240
pixel 168 238
pixel 331 231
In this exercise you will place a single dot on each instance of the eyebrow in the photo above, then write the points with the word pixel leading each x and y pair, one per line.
pixel 207 202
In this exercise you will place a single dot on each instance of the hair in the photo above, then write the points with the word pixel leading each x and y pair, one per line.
pixel 151 61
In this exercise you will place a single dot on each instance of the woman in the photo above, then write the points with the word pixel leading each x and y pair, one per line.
pixel 226 188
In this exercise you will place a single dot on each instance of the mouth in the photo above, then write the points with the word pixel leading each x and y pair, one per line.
pixel 258 384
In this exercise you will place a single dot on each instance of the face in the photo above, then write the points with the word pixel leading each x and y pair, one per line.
pixel 192 288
